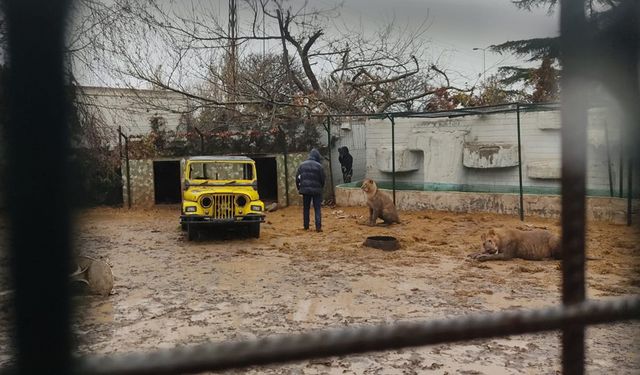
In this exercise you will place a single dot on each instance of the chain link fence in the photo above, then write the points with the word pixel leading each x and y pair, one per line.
pixel 512 149
pixel 42 309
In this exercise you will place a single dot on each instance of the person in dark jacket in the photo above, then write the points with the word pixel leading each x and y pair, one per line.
pixel 310 183
pixel 346 163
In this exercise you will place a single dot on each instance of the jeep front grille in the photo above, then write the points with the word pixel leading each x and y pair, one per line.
pixel 223 206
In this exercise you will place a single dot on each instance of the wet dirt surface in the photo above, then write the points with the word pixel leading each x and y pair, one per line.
pixel 171 292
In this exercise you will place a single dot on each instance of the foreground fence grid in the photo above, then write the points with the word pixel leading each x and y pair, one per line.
pixel 42 335
pixel 285 348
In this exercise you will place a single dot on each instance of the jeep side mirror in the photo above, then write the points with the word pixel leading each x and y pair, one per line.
pixel 186 184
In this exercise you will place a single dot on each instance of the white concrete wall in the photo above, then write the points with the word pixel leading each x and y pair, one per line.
pixel 133 109
pixel 441 141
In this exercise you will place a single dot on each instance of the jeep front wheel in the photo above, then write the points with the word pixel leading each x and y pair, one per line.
pixel 192 232
pixel 254 230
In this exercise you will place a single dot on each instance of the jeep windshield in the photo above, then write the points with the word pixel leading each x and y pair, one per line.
pixel 217 173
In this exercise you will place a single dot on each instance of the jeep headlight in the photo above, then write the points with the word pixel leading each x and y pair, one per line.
pixel 190 209
pixel 255 207
pixel 206 202
pixel 241 201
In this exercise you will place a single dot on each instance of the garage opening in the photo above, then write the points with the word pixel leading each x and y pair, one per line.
pixel 166 181
pixel 267 178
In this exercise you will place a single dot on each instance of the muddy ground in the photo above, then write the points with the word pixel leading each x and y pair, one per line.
pixel 172 292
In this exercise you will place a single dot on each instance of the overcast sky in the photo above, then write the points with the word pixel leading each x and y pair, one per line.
pixel 455 27
pixel 458 26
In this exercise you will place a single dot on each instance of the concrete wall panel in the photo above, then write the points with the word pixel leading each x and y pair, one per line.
pixel 142 191
pixel 441 142
pixel 598 208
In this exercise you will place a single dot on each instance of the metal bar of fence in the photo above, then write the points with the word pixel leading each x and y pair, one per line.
pixel 285 150
pixel 493 108
pixel 286 348
pixel 621 171
pixel 201 139
pixel 575 49
pixel 629 189
pixel 42 333
pixel 37 142
pixel 609 169
pixel 333 192
pixel 520 162
pixel 120 145
pixel 127 166
pixel 393 156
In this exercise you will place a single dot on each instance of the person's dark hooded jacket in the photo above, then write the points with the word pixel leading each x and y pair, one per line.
pixel 310 175
pixel 345 159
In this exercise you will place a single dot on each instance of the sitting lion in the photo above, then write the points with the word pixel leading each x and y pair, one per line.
pixel 504 244
pixel 380 204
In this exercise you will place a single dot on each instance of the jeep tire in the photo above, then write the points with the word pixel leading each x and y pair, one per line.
pixel 254 230
pixel 192 232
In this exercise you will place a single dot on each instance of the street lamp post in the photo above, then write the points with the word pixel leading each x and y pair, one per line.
pixel 484 62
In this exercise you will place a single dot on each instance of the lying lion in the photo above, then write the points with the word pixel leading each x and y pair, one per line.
pixel 504 244
pixel 380 205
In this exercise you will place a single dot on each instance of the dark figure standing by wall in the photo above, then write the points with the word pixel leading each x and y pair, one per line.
pixel 310 183
pixel 346 163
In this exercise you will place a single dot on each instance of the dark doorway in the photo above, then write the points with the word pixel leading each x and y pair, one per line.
pixel 267 178
pixel 166 182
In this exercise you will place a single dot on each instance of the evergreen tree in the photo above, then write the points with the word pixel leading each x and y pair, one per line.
pixel 546 51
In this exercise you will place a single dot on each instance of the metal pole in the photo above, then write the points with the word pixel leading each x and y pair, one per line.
pixel 121 156
pixel 621 163
pixel 520 163
pixel 606 138
pixel 120 144
pixel 484 65
pixel 37 139
pixel 201 139
pixel 126 155
pixel 484 62
pixel 629 190
pixel 333 193
pixel 393 156
pixel 574 46
pixel 285 150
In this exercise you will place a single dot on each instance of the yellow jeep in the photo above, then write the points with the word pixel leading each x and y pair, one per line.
pixel 220 190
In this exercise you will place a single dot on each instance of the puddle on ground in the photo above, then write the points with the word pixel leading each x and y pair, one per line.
pixel 507 300
pixel 248 272
pixel 317 308
pixel 367 297
pixel 376 286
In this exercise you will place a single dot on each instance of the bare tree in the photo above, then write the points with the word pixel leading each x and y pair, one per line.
pixel 341 69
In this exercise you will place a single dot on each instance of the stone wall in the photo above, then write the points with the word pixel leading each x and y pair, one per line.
pixel 142 190
pixel 142 185
pixel 293 162
pixel 612 210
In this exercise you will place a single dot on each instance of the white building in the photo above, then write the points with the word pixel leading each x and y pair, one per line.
pixel 133 109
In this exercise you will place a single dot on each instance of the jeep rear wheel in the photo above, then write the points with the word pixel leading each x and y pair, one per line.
pixel 254 230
